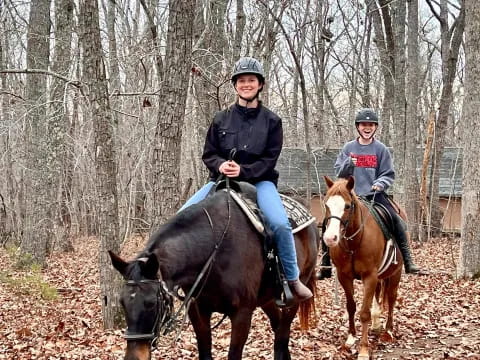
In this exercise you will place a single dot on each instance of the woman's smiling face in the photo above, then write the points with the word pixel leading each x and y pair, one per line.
pixel 247 85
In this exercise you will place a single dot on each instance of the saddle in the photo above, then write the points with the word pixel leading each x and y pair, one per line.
pixel 245 195
pixel 382 216
pixel 385 220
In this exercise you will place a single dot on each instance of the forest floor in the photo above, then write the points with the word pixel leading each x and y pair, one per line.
pixel 55 313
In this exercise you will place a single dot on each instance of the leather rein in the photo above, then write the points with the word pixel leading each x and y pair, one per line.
pixel 166 318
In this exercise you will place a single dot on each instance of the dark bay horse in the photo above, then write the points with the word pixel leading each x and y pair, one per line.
pixel 212 238
pixel 357 248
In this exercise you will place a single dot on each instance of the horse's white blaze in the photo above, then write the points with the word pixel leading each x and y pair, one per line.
pixel 336 205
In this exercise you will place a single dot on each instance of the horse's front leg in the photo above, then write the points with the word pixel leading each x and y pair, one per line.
pixel 369 286
pixel 280 322
pixel 200 320
pixel 241 321
pixel 347 285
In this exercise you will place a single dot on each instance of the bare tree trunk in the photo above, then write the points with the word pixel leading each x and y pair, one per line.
pixel 424 208
pixel 412 121
pixel 469 259
pixel 105 166
pixel 59 122
pixel 385 45
pixel 208 55
pixel 39 181
pixel 306 120
pixel 239 28
pixel 114 78
pixel 399 9
pixel 168 133
pixel 451 41
pixel 318 65
pixel 8 226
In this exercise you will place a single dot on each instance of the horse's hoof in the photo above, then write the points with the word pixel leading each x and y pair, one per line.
pixel 363 357
pixel 350 341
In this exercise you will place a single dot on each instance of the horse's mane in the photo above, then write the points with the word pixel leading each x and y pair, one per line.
pixel 184 219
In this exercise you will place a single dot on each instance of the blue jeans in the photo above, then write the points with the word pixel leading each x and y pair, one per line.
pixel 272 208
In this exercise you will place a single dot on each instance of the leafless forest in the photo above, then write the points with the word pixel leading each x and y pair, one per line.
pixel 104 107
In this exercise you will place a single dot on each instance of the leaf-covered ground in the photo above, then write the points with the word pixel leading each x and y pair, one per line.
pixel 437 317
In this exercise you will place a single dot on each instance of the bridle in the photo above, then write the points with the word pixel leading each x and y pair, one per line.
pixel 346 222
pixel 164 307
pixel 166 318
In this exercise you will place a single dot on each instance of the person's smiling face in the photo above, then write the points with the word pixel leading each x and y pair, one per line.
pixel 366 129
pixel 247 85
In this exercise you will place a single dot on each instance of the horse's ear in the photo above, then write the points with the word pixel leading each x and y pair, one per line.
pixel 350 182
pixel 328 181
pixel 118 263
pixel 150 266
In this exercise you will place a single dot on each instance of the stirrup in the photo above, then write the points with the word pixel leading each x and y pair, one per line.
pixel 286 298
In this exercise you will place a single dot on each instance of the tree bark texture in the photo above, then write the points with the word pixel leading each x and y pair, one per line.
pixel 399 10
pixel 105 166
pixel 168 133
pixel 412 120
pixel 59 123
pixel 451 41
pixel 38 178
pixel 469 262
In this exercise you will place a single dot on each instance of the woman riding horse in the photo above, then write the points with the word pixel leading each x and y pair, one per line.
pixel 370 162
pixel 256 134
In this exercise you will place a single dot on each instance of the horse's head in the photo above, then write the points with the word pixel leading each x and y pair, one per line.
pixel 339 209
pixel 146 302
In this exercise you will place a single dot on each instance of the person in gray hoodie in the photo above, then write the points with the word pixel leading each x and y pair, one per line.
pixel 370 162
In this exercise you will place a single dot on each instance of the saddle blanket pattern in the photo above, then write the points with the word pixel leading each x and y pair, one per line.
pixel 297 213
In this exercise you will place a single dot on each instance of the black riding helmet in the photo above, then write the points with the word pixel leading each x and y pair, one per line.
pixel 248 65
pixel 366 115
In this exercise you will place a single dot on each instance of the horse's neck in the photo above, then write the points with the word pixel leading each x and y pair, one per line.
pixel 185 248
pixel 354 227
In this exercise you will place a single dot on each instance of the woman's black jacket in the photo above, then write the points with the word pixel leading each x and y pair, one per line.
pixel 256 134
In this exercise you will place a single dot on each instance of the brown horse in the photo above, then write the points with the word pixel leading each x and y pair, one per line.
pixel 357 248
pixel 213 253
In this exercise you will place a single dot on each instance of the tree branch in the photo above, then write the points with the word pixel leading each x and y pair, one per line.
pixel 75 83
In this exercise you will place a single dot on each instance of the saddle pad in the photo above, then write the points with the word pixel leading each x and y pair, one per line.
pixel 298 214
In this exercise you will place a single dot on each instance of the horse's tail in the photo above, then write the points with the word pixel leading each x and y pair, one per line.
pixel 307 308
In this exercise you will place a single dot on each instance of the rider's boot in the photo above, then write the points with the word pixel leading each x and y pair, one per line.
pixel 402 241
pixel 300 291
pixel 326 265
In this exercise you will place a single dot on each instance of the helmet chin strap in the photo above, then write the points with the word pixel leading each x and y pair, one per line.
pixel 251 99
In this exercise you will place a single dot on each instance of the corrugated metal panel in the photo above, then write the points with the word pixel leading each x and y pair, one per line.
pixel 292 166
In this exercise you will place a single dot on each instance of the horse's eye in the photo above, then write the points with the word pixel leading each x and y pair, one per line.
pixel 150 303
pixel 347 207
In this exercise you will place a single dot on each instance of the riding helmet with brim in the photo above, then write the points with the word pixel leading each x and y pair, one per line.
pixel 248 65
pixel 366 115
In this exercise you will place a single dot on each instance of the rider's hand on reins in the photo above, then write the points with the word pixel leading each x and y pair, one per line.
pixel 230 168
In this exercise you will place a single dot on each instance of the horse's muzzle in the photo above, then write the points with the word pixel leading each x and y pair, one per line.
pixel 138 350
pixel 331 241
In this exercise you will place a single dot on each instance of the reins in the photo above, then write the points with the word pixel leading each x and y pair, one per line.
pixel 166 322
pixel 205 272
